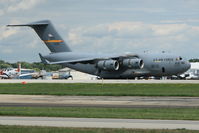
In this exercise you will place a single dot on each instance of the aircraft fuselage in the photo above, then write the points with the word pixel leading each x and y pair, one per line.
pixel 161 64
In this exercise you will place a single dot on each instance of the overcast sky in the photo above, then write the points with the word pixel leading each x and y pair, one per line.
pixel 102 26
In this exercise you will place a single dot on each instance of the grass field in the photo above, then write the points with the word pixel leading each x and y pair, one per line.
pixel 102 89
pixel 29 129
pixel 128 113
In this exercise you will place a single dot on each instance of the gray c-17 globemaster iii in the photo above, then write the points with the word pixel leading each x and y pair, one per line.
pixel 107 66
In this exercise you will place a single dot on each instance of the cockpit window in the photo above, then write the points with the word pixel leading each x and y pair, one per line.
pixel 179 58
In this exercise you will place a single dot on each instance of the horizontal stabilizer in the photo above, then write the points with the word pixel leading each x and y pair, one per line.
pixel 30 24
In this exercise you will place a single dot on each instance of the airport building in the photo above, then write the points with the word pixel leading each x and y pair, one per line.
pixel 77 75
pixel 193 72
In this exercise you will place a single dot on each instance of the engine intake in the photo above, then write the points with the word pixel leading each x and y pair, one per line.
pixel 109 65
pixel 133 63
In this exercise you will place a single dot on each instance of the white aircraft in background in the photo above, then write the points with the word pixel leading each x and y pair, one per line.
pixel 17 73
pixel 10 72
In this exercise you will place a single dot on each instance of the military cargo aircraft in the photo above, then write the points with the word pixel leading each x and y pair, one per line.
pixel 107 66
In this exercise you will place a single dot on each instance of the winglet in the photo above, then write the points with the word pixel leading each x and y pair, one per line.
pixel 43 60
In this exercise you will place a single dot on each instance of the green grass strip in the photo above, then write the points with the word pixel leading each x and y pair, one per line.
pixel 82 89
pixel 127 113
pixel 29 129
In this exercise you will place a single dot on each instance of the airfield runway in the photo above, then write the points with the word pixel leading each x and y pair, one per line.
pixel 99 123
pixel 98 101
pixel 100 81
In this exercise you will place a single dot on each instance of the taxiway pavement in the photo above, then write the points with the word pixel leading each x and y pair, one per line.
pixel 98 101
pixel 99 123
pixel 101 81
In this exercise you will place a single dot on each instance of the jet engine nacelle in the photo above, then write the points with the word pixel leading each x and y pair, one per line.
pixel 109 65
pixel 133 63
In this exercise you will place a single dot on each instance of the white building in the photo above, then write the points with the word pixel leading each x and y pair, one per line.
pixel 193 71
pixel 78 75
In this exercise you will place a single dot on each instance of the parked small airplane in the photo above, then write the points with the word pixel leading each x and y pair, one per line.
pixel 10 72
pixel 107 66
pixel 18 73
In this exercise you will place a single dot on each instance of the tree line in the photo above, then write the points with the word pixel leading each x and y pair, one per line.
pixel 194 60
pixel 35 65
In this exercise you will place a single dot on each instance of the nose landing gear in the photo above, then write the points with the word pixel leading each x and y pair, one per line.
pixel 163 70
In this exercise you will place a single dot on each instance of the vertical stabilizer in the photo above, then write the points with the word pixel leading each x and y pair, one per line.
pixel 19 68
pixel 48 35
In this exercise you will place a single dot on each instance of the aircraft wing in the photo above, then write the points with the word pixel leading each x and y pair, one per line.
pixel 68 61
pixel 4 76
pixel 45 61
pixel 87 59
